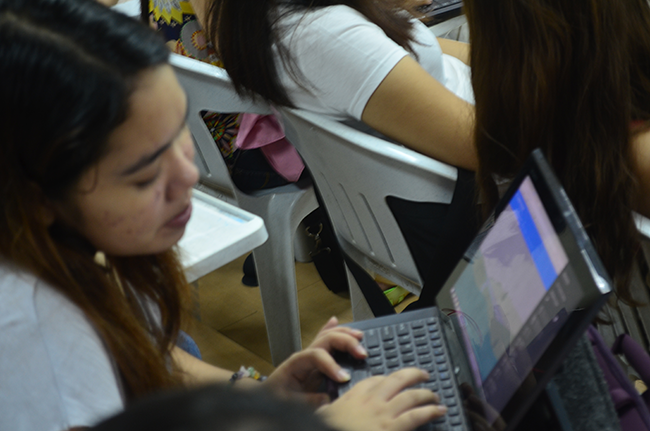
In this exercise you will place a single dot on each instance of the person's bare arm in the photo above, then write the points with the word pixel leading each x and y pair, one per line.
pixel 200 8
pixel 641 159
pixel 413 108
pixel 294 374
pixel 457 49
pixel 195 372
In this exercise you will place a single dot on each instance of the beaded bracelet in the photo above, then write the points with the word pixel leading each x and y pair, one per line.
pixel 244 372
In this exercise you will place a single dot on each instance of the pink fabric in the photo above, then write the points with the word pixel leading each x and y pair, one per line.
pixel 265 132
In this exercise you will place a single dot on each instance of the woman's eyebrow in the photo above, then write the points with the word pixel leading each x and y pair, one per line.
pixel 150 158
pixel 145 160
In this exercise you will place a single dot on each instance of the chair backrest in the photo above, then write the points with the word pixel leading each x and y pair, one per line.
pixel 354 173
pixel 209 88
pixel 129 8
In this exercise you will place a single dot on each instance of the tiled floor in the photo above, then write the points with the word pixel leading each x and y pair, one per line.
pixel 231 330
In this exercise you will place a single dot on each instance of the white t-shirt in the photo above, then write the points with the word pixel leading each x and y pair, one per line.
pixel 341 58
pixel 55 372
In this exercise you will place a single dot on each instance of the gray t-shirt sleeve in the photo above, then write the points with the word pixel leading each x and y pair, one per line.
pixel 55 372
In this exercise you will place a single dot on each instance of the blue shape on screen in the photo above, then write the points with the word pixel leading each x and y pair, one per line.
pixel 533 240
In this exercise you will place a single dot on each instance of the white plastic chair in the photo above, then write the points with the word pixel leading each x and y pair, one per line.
pixel 129 8
pixel 282 208
pixel 354 173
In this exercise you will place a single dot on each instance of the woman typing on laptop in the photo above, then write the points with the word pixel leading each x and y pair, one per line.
pixel 93 199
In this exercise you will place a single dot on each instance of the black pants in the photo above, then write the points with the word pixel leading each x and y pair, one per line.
pixel 438 234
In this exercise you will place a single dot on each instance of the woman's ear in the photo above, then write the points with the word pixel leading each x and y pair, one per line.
pixel 47 214
pixel 45 208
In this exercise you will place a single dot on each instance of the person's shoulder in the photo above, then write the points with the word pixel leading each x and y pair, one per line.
pixel 10 270
pixel 24 298
pixel 339 10
pixel 330 27
pixel 15 284
pixel 59 372
pixel 641 164
pixel 327 17
pixel 336 10
pixel 641 141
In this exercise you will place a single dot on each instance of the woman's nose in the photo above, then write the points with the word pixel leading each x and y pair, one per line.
pixel 184 173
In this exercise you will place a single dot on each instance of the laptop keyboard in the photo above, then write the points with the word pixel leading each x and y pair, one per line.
pixel 416 343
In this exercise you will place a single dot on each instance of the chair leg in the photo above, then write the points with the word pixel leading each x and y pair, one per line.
pixel 360 308
pixel 276 272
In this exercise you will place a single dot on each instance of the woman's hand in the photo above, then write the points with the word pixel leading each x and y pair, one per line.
pixel 384 403
pixel 302 373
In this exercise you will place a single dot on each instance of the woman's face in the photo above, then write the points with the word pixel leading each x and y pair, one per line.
pixel 137 199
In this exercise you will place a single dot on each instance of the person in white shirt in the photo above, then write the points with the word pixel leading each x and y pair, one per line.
pixel 373 65
pixel 365 60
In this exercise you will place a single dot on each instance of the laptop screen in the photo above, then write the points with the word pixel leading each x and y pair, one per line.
pixel 517 286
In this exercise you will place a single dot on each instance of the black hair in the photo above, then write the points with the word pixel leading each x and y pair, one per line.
pixel 70 67
pixel 569 77
pixel 215 408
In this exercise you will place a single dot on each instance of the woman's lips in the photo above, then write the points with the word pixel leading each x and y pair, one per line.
pixel 181 219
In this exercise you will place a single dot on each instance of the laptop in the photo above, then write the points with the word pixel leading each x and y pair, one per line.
pixel 517 302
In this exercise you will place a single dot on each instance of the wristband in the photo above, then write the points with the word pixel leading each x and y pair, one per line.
pixel 244 372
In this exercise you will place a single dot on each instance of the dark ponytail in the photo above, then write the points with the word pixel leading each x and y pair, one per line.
pixel 245 40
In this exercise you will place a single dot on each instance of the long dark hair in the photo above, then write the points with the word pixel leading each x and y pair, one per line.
pixel 245 32
pixel 568 77
pixel 68 70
